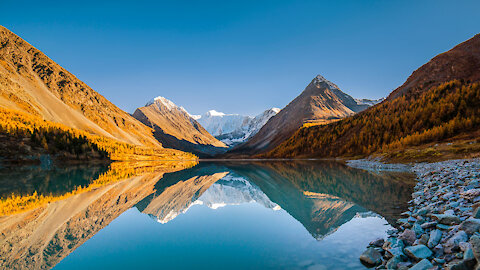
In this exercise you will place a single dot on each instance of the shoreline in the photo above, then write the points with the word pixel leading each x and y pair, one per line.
pixel 441 230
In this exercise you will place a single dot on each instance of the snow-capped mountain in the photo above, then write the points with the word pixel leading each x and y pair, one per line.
pixel 368 102
pixel 233 190
pixel 233 129
pixel 214 191
pixel 175 128
pixel 218 123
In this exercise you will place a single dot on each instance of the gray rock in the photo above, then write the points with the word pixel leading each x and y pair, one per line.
pixel 454 241
pixel 418 252
pixel 470 225
pixel 371 257
pixel 435 237
pixel 408 236
pixel 428 225
pixel 464 246
pixel 447 219
pixel 422 265
pixel 393 242
pixel 475 242
pixel 418 230
pixel 423 239
pixel 377 242
pixel 439 250
pixel 395 252
pixel 476 213
pixel 463 265
pixel 443 227
pixel 393 262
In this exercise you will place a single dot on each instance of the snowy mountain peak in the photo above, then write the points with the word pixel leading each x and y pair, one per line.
pixel 320 79
pixel 368 102
pixel 214 113
pixel 275 110
pixel 165 102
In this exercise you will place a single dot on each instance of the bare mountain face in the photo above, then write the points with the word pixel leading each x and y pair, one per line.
pixel 462 62
pixel 175 128
pixel 33 83
pixel 320 102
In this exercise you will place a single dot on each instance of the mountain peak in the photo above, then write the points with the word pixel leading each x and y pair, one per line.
pixel 319 79
pixel 214 113
pixel 276 110
pixel 165 102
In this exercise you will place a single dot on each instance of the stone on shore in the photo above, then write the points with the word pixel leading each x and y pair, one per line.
pixel 371 257
pixel 408 236
pixel 435 237
pixel 453 242
pixel 447 219
pixel 470 225
pixel 418 252
pixel 422 265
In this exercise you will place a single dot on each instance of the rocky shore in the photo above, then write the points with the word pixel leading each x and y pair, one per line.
pixel 441 229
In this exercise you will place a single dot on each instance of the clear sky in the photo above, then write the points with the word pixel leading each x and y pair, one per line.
pixel 239 56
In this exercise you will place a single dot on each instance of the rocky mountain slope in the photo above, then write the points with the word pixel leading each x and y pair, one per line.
pixel 320 102
pixel 175 128
pixel 440 101
pixel 33 83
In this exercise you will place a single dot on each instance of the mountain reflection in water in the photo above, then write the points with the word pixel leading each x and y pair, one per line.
pixel 322 196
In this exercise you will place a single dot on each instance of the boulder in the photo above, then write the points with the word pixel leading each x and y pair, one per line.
pixel 470 225
pixel 377 242
pixel 453 242
pixel 418 252
pixel 408 236
pixel 435 237
pixel 422 265
pixel 475 242
pixel 371 257
pixel 447 219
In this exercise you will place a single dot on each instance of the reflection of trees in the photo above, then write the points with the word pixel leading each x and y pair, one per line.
pixel 298 187
pixel 41 237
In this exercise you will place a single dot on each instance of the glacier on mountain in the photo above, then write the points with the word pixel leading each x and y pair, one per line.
pixel 233 129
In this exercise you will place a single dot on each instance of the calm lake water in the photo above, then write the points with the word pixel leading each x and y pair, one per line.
pixel 215 215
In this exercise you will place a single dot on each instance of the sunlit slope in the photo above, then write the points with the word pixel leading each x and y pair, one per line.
pixel 440 101
pixel 26 137
pixel 33 83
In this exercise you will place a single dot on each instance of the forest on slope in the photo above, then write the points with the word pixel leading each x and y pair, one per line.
pixel 439 101
pixel 443 112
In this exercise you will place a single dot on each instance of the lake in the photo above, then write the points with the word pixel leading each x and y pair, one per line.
pixel 210 215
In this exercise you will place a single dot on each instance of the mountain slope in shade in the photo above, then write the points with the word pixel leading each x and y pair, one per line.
pixel 248 128
pixel 175 128
pixel 460 63
pixel 439 102
pixel 31 82
pixel 320 102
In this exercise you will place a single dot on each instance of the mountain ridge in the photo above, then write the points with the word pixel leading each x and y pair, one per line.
pixel 440 101
pixel 175 128
pixel 33 83
pixel 320 102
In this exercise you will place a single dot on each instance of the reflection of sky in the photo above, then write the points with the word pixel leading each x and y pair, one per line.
pixel 246 236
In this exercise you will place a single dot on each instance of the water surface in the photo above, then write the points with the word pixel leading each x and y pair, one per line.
pixel 215 215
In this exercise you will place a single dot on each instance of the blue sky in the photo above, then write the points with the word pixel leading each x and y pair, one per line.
pixel 239 56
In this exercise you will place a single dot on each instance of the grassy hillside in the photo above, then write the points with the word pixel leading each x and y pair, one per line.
pixel 417 118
